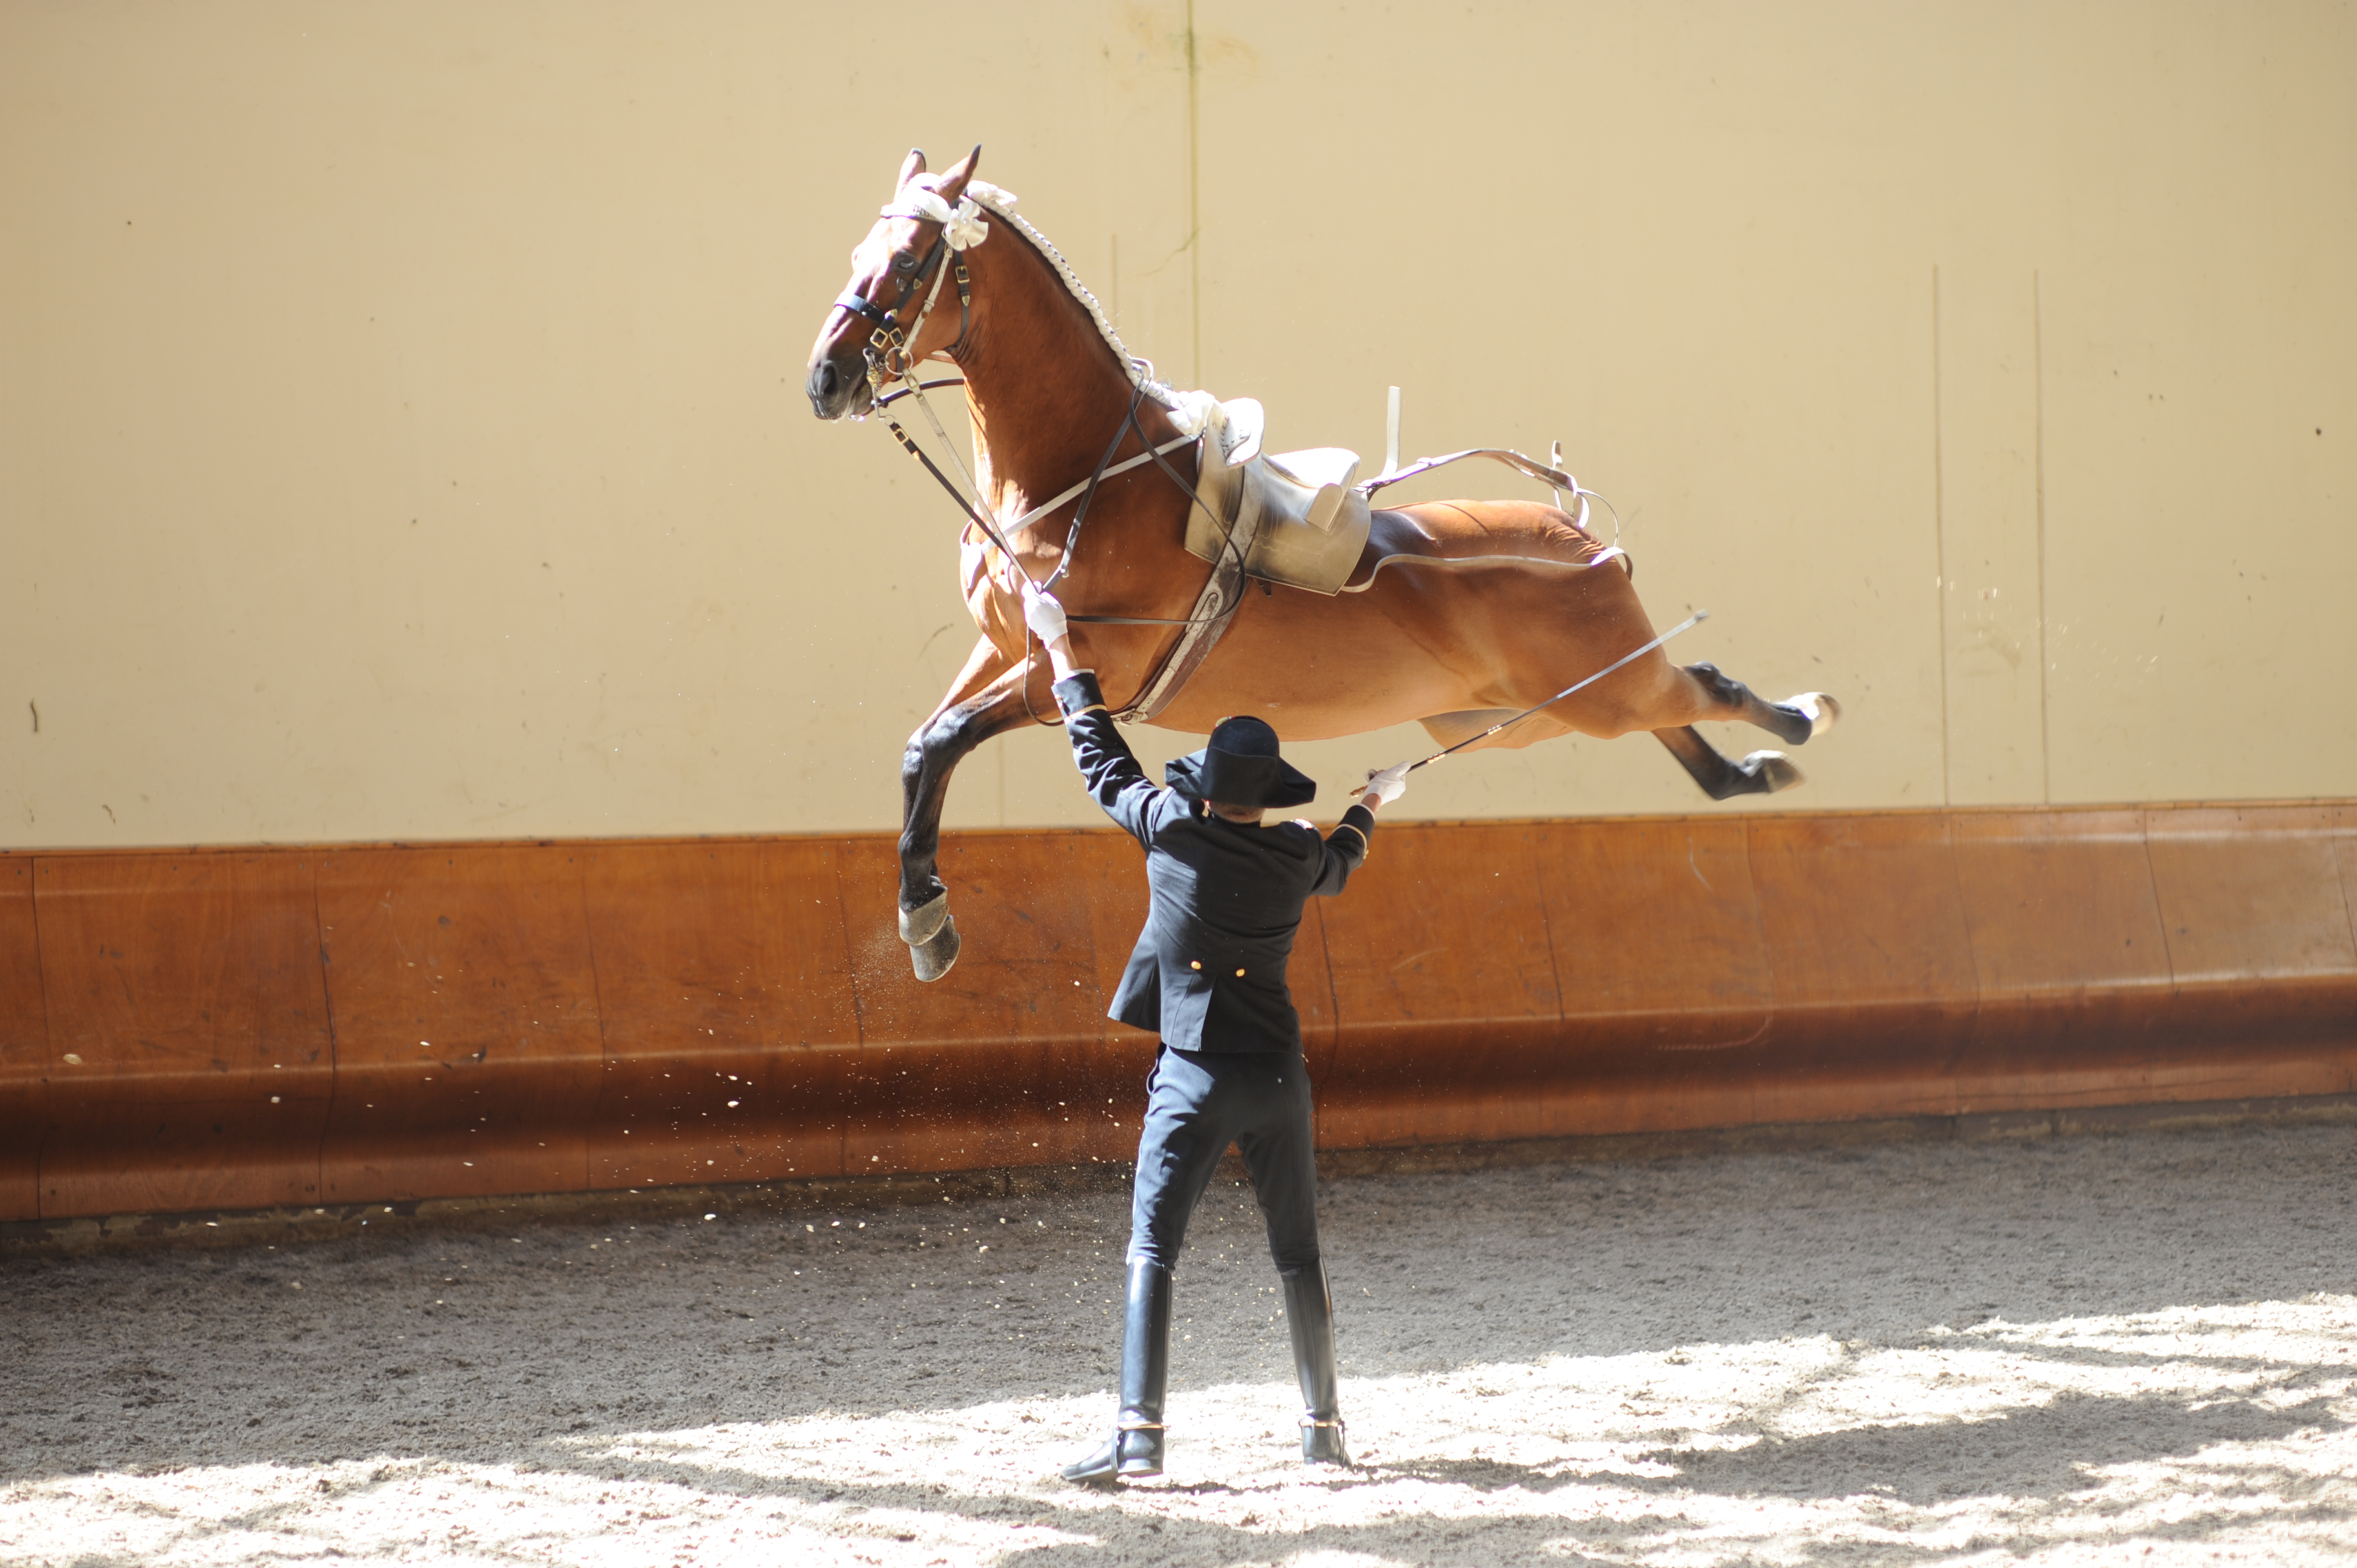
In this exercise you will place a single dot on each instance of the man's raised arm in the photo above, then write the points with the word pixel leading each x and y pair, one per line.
pixel 1120 785
pixel 1347 845
pixel 1112 775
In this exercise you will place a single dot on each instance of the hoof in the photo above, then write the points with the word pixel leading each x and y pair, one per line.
pixel 1770 772
pixel 917 925
pixel 1822 711
pixel 934 956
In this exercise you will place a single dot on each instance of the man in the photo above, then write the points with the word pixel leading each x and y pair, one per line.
pixel 1208 976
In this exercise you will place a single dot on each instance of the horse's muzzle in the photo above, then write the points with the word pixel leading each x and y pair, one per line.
pixel 832 389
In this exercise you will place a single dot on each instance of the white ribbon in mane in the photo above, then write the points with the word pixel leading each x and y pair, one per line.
pixel 962 226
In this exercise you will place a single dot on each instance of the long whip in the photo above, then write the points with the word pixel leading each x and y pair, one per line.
pixel 1691 621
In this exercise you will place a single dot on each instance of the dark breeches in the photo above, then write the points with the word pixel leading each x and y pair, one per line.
pixel 1197 1104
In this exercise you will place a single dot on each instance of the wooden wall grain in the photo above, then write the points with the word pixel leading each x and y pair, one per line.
pixel 257 1027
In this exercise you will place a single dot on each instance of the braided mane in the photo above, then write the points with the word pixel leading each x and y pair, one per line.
pixel 1001 204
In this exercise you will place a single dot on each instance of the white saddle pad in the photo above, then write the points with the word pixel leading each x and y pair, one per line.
pixel 1295 514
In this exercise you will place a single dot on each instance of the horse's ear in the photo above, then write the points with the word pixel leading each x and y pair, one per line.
pixel 909 170
pixel 953 185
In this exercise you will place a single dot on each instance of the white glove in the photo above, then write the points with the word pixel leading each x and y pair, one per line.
pixel 1391 783
pixel 1043 613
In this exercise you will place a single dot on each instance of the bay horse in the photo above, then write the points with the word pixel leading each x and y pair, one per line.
pixel 1055 401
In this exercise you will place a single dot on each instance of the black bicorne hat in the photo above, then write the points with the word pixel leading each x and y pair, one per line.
pixel 1240 768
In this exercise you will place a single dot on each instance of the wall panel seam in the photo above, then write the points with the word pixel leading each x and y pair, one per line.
pixel 1547 927
pixel 605 1046
pixel 1939 532
pixel 335 1055
pixel 1965 916
pixel 48 1052
pixel 859 1021
pixel 2159 910
pixel 2337 837
pixel 1775 1012
pixel 2038 379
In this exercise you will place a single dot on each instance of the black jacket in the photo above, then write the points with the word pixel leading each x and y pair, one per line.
pixel 1208 973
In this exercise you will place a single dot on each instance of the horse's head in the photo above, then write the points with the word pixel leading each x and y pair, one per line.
pixel 882 324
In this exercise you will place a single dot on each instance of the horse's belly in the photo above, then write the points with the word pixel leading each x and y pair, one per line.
pixel 1315 668
pixel 1536 604
pixel 1304 706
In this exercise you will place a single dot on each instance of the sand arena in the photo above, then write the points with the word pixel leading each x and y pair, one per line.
pixel 2135 1347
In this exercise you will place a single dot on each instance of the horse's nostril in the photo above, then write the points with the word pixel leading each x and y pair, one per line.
pixel 824 380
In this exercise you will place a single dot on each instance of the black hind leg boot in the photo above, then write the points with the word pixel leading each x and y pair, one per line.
pixel 1136 1446
pixel 1309 1312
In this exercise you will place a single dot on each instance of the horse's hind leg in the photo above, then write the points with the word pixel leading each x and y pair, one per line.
pixel 1795 720
pixel 988 699
pixel 1762 773
pixel 1712 694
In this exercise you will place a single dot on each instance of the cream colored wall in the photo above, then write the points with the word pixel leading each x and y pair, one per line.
pixel 401 433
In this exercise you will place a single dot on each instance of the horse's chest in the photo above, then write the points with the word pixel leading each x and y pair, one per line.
pixel 982 571
pixel 975 556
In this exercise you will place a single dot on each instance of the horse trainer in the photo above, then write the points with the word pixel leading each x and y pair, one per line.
pixel 1208 976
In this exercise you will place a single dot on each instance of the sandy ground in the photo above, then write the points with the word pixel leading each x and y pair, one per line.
pixel 2134 1348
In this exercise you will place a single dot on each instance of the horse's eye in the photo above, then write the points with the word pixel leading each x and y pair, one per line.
pixel 904 263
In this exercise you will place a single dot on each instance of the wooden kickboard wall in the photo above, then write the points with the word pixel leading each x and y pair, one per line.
pixel 256 1027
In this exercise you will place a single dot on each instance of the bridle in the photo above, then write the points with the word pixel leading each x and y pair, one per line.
pixel 888 345
pixel 889 358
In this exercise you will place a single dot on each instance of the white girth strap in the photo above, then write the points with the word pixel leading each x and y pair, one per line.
pixel 1123 467
pixel 1044 508
pixel 1222 590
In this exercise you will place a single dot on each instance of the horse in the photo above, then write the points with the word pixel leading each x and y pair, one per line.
pixel 1058 406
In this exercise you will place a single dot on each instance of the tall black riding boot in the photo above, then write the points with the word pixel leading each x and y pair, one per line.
pixel 1136 1446
pixel 1309 1312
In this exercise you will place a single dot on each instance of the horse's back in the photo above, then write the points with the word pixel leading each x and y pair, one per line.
pixel 1475 534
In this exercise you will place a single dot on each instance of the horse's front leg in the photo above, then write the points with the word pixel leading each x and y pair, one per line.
pixel 987 699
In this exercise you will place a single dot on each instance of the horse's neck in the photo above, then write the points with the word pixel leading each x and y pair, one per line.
pixel 1046 391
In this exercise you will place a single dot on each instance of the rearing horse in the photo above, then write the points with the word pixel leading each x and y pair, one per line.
pixel 1056 401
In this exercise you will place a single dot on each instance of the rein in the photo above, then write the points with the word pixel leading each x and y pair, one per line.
pixel 1086 490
